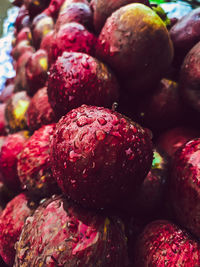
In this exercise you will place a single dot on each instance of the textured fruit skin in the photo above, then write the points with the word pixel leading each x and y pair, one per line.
pixel 162 243
pixel 102 9
pixel 62 234
pixel 11 147
pixel 75 12
pixel 53 8
pixel 136 44
pixel 15 111
pixel 40 112
pixel 94 148
pixel 33 166
pixel 36 71
pixel 24 34
pixel 11 223
pixel 190 78
pixel 72 37
pixel 77 79
pixel 185 34
pixel 184 186
pixel 170 141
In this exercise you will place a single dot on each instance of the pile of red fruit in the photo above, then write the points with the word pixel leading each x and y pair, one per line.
pixel 100 137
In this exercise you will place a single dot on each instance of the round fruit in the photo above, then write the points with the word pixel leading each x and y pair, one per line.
pixel 62 234
pixel 136 44
pixel 94 148
pixel 77 79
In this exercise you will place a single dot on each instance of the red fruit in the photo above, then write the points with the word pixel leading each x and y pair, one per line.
pixel 46 44
pixel 41 25
pixel 11 147
pixel 94 148
pixel 62 234
pixel 162 243
pixel 75 12
pixel 15 111
pixel 33 164
pixel 40 112
pixel 77 79
pixel 7 92
pixel 2 119
pixel 36 71
pixel 53 8
pixel 22 47
pixel 24 35
pixel 171 140
pixel 36 7
pixel 11 223
pixel 22 19
pixel 72 37
pixel 184 186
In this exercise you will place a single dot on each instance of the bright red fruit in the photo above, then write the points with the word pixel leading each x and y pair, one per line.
pixel 99 156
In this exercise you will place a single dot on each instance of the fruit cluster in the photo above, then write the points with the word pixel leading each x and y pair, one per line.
pixel 82 183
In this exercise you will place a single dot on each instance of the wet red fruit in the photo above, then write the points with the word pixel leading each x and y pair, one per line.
pixel 11 147
pixel 162 243
pixel 77 79
pixel 33 164
pixel 72 37
pixel 171 140
pixel 24 35
pixel 184 186
pixel 94 148
pixel 15 111
pixel 36 71
pixel 53 8
pixel 75 12
pixel 11 223
pixel 62 234
pixel 40 112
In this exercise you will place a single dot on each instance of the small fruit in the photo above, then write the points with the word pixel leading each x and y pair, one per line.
pixel 92 149
pixel 61 234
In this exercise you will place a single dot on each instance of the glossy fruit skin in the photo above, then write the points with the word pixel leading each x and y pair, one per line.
pixel 11 147
pixel 163 243
pixel 24 34
pixel 72 37
pixel 94 147
pixel 185 34
pixel 62 234
pixel 40 112
pixel 36 71
pixel 76 79
pixel 184 186
pixel 136 44
pixel 190 78
pixel 75 12
pixel 54 8
pixel 15 111
pixel 3 130
pixel 102 9
pixel 33 164
pixel 171 140
pixel 23 19
pixel 11 223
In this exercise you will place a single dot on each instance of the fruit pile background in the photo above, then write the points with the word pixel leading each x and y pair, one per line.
pixel 99 134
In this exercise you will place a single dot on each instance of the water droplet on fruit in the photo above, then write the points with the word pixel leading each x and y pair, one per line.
pixel 85 64
pixel 100 135
pixel 73 156
pixel 73 115
pixel 102 121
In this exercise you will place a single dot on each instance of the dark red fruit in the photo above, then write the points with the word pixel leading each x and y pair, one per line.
pixel 53 8
pixel 36 71
pixel 41 25
pixel 75 12
pixel 94 148
pixel 62 234
pixel 46 44
pixel 162 108
pixel 24 35
pixel 72 37
pixel 102 9
pixel 15 111
pixel 2 119
pixel 23 19
pixel 11 147
pixel 33 164
pixel 22 47
pixel 184 186
pixel 77 79
pixel 171 140
pixel 162 243
pixel 5 195
pixel 40 112
pixel 11 223
pixel 6 93
pixel 36 7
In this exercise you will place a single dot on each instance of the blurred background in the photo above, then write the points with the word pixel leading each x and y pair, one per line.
pixel 4 5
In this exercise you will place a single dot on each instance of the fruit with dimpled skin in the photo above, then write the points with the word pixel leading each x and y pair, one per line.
pixel 92 149
pixel 62 234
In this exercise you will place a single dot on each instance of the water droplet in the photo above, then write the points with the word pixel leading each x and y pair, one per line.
pixel 85 64
pixel 100 135
pixel 102 121
pixel 73 115
pixel 73 156
pixel 84 173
